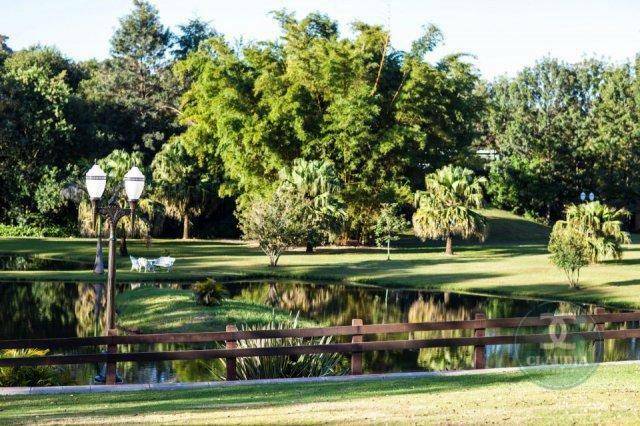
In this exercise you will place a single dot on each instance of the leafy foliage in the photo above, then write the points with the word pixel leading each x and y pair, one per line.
pixel 569 251
pixel 275 221
pixel 42 375
pixel 318 186
pixel 274 367
pixel 31 231
pixel 209 292
pixel 180 184
pixel 378 114
pixel 560 129
pixel 600 226
pixel 445 207
pixel 389 225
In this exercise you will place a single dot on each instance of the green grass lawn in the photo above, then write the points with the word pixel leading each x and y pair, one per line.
pixel 609 397
pixel 141 308
pixel 513 262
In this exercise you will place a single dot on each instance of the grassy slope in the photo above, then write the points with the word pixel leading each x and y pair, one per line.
pixel 609 397
pixel 513 262
pixel 140 310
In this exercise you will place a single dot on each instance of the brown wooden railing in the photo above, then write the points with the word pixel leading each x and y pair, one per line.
pixel 357 330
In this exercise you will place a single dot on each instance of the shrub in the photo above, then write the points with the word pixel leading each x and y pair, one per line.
pixel 271 367
pixel 209 292
pixel 31 231
pixel 42 375
pixel 569 252
pixel 276 222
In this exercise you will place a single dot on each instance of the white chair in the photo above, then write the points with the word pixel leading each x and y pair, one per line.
pixel 135 264
pixel 165 262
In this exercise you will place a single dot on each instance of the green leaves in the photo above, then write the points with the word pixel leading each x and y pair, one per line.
pixel 379 115
pixel 600 227
pixel 445 207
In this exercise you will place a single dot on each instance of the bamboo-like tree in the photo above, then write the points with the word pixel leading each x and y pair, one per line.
pixel 317 183
pixel 445 207
pixel 600 225
pixel 180 184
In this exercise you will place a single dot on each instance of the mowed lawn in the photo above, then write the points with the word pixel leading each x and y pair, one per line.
pixel 610 396
pixel 513 262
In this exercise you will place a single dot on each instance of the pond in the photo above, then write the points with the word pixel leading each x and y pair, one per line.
pixel 19 262
pixel 45 309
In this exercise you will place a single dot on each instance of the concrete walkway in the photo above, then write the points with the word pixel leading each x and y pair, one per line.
pixel 216 384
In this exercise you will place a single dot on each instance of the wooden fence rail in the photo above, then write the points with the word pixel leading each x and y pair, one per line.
pixel 356 347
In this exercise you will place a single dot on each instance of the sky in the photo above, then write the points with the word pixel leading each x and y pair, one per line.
pixel 502 35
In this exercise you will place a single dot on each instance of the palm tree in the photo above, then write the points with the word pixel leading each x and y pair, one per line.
pixel 600 225
pixel 180 184
pixel 445 207
pixel 317 182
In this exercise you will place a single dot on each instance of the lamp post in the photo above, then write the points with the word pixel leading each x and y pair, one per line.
pixel 583 196
pixel 96 181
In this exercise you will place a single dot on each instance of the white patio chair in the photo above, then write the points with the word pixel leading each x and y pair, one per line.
pixel 165 262
pixel 135 264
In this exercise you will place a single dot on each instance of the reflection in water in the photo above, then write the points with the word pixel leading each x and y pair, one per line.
pixel 31 310
pixel 19 262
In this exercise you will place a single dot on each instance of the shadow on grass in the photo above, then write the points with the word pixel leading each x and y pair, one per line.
pixel 51 407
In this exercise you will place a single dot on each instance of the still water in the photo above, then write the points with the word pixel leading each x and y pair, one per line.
pixel 19 262
pixel 47 309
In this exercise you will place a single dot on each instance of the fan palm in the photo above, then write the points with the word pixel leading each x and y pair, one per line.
pixel 445 207
pixel 317 183
pixel 601 227
pixel 179 184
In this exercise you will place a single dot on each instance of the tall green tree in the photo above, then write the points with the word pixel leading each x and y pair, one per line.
pixel 133 92
pixel 37 130
pixel 190 35
pixel 382 116
pixel 180 185
pixel 560 129
pixel 446 206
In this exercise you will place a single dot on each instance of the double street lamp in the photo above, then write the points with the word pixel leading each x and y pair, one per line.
pixel 96 182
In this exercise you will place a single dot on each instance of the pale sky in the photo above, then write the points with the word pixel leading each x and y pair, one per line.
pixel 503 35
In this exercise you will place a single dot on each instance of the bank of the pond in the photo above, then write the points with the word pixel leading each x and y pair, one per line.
pixel 512 398
pixel 164 310
pixel 513 270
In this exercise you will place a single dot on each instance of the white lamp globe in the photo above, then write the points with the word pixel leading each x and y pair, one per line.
pixel 96 181
pixel 134 183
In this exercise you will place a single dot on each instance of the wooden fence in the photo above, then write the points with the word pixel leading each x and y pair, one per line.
pixel 357 330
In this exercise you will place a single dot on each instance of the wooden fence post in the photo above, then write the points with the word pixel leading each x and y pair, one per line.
pixel 111 366
pixel 231 362
pixel 356 357
pixel 479 361
pixel 599 343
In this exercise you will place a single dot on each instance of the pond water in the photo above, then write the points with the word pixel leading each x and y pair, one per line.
pixel 19 262
pixel 46 309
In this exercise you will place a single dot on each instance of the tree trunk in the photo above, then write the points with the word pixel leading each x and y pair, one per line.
pixel 449 247
pixel 123 245
pixel 309 247
pixel 389 249
pixel 185 227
